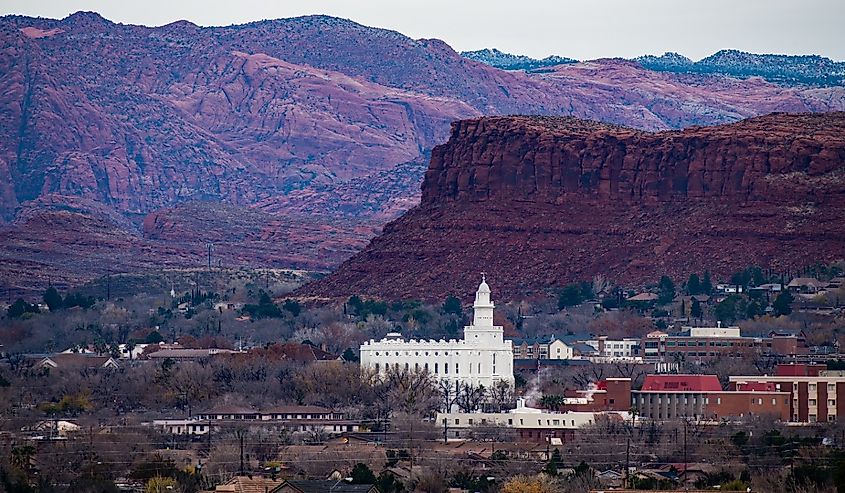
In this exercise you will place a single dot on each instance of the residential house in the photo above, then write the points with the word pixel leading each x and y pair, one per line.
pixel 188 354
pixel 643 298
pixel 806 285
pixel 545 347
pixel 728 288
pixel 323 486
pixel 53 428
pixel 248 484
pixel 227 306
pixel 76 361
pixel 835 283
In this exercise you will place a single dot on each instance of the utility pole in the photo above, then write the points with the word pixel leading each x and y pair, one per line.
pixel 628 463
pixel 208 423
pixel 241 440
pixel 685 454
pixel 210 247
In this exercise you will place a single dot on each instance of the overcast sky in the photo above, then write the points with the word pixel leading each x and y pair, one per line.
pixel 583 29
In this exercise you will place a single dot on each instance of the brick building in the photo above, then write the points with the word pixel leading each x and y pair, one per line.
pixel 610 394
pixel 816 394
pixel 665 397
pixel 708 343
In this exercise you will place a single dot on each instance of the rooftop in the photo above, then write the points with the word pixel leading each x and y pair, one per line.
pixel 682 383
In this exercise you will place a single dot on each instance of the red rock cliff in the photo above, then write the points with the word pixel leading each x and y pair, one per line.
pixel 553 160
pixel 540 202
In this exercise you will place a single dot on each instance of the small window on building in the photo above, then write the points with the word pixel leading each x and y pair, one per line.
pixel 457 421
pixel 812 402
pixel 469 420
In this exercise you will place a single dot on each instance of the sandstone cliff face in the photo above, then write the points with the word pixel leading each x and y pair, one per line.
pixel 554 160
pixel 541 202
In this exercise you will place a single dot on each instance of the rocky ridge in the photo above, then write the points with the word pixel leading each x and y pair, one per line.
pixel 508 61
pixel 782 69
pixel 540 202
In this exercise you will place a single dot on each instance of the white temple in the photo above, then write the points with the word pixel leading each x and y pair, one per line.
pixel 482 357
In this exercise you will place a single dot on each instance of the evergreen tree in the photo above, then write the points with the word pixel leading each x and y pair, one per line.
pixel 783 304
pixel 554 463
pixel 666 290
pixel 706 284
pixel 452 305
pixel 695 309
pixel 693 285
pixel 570 296
pixel 293 307
pixel 361 474
pixel 753 309
pixel 349 355
pixel 53 299
pixel 19 308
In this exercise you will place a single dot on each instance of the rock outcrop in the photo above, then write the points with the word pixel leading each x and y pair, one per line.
pixel 538 202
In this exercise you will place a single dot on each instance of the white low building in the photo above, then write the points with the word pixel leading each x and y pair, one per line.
pixel 622 349
pixel 718 331
pixel 482 357
pixel 528 423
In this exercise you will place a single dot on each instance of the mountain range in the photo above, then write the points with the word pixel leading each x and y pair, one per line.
pixel 285 143
pixel 782 69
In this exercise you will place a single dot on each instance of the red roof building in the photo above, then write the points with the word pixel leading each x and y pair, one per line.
pixel 682 383
pixel 666 397
pixel 799 370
